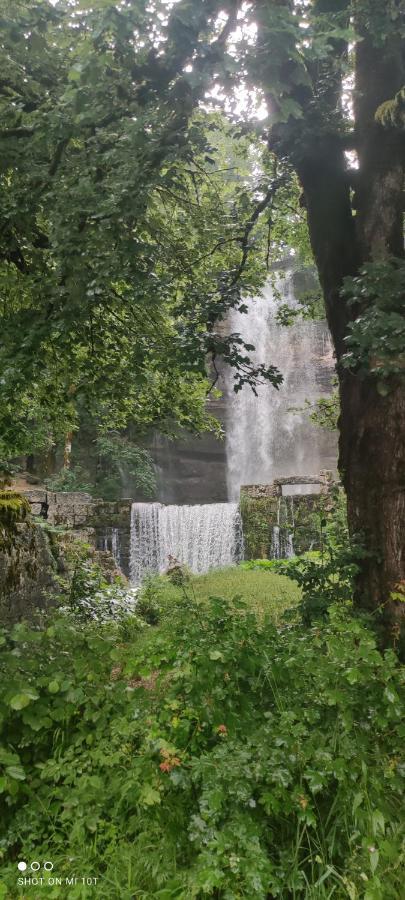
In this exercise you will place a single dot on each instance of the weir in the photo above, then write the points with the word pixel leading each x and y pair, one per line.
pixel 202 537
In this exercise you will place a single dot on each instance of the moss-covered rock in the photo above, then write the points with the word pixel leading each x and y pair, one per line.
pixel 13 508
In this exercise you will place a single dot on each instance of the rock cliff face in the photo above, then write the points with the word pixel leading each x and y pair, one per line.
pixel 192 469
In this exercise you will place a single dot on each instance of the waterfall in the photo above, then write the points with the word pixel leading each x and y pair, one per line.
pixel 270 436
pixel 202 537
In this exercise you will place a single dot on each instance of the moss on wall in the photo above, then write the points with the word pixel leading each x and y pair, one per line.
pixel 298 516
pixel 258 518
pixel 13 508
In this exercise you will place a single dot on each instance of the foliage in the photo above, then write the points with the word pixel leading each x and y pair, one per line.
pixel 8 471
pixel 70 478
pixel 117 457
pixel 326 412
pixel 308 304
pixel 211 757
pixel 89 590
pixel 13 507
pixel 120 250
pixel 117 452
pixel 91 597
pixel 376 338
pixel 391 113
pixel 276 565
pixel 327 578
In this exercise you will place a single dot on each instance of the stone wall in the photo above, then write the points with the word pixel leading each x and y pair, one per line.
pixel 39 546
pixel 276 524
pixel 105 525
pixel 28 570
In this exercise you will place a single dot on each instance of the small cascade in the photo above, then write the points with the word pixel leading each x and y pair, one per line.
pixel 202 537
pixel 115 546
pixel 282 544
pixel 282 539
pixel 111 542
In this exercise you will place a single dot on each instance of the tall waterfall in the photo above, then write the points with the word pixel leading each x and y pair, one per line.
pixel 268 436
pixel 202 537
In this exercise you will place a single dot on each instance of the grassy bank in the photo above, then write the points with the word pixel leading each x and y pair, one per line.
pixel 265 592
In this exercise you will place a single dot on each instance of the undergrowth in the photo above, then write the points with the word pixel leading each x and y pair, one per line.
pixel 214 756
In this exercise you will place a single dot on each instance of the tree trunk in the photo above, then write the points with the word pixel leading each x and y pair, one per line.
pixel 372 464
pixel 355 217
pixel 372 427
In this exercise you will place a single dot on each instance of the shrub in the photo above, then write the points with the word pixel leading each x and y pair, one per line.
pixel 214 757
pixel 73 478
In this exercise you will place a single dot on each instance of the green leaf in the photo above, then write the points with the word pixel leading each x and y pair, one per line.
pixel 16 772
pixel 215 654
pixel 149 796
pixel 374 857
pixel 19 701
pixel 378 821
pixel 358 799
pixel 53 687
pixel 391 695
pixel 352 675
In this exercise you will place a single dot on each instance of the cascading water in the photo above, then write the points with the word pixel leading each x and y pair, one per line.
pixel 202 537
pixel 282 546
pixel 271 435
pixel 111 542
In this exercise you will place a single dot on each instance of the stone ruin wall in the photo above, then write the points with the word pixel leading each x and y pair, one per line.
pixel 34 550
pixel 298 516
pixel 89 519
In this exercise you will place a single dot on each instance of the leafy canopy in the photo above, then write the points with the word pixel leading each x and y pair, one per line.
pixel 126 226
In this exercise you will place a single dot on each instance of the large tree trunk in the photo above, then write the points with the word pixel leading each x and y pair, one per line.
pixel 372 426
pixel 372 463
pixel 348 229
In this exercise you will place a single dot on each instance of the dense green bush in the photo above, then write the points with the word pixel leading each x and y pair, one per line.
pixel 73 478
pixel 211 756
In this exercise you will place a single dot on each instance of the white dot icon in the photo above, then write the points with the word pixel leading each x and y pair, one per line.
pixel 35 866
pixel 22 866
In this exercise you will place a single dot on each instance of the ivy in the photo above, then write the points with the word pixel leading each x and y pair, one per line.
pixel 376 339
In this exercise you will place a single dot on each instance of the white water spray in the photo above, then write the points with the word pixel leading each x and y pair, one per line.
pixel 202 537
pixel 271 436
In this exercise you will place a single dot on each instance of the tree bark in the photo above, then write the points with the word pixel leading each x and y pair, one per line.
pixel 372 463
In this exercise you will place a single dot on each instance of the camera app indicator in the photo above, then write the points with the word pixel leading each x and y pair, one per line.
pixel 34 866
pixel 38 874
